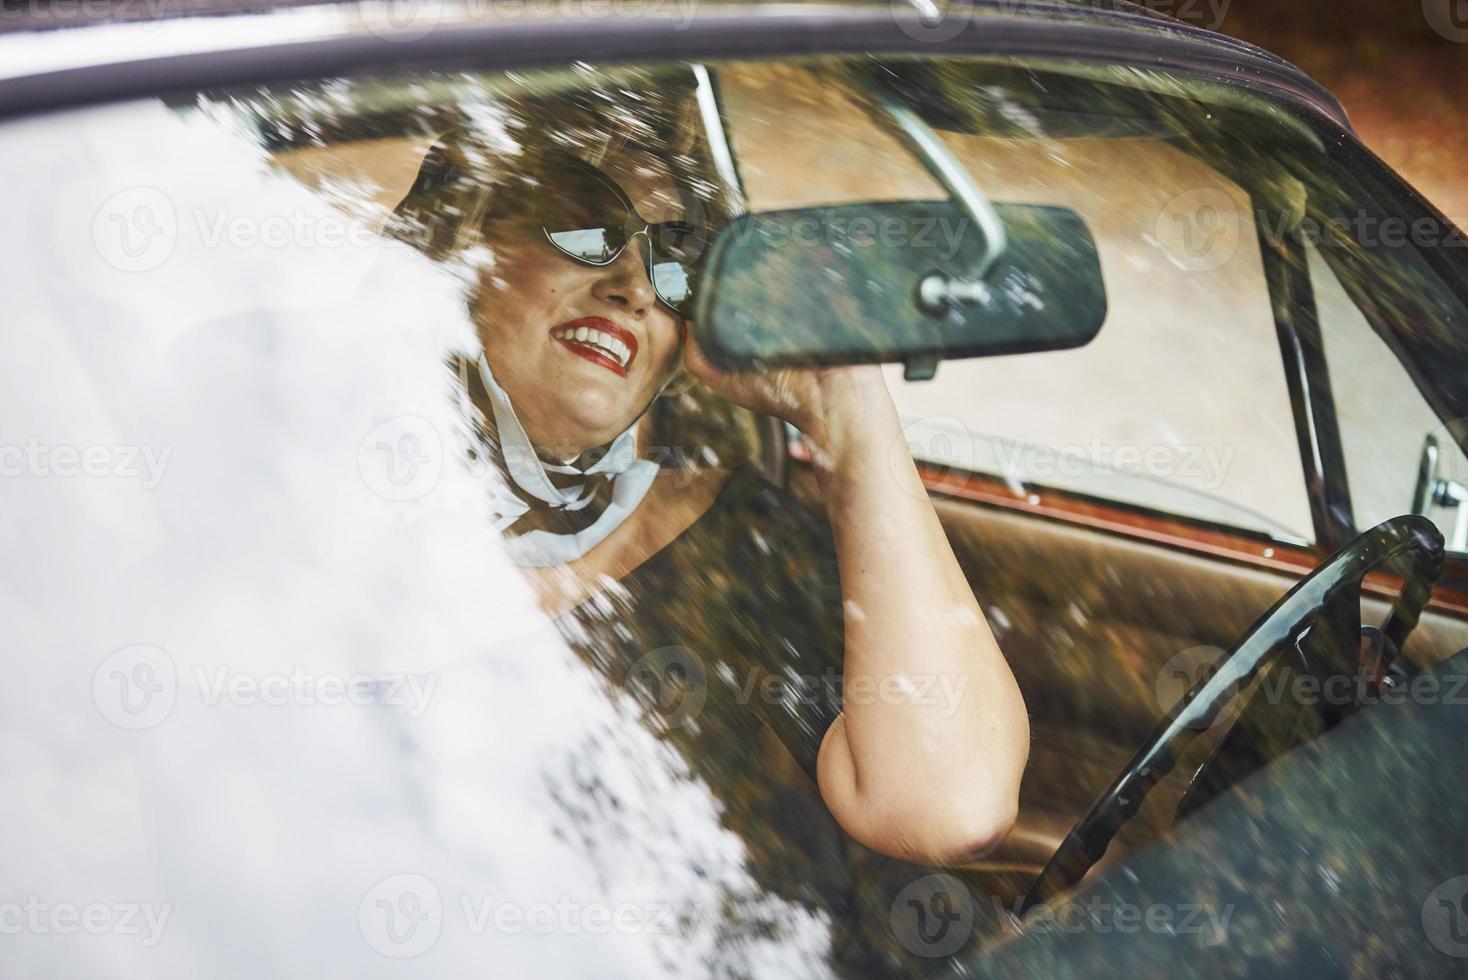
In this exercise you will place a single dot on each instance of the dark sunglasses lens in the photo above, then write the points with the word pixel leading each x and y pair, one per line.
pixel 677 248
pixel 582 217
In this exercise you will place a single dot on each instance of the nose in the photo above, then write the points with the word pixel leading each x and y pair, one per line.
pixel 625 283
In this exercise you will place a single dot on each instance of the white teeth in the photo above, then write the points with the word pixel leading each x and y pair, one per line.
pixel 609 345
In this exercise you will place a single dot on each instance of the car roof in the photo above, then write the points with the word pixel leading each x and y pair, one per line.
pixel 60 54
pixel 59 14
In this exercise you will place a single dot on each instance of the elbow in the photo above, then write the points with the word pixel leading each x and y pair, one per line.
pixel 962 838
pixel 947 834
pixel 939 814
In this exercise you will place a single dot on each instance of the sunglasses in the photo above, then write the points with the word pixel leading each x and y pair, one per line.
pixel 586 216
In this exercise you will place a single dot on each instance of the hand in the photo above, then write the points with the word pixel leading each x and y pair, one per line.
pixel 823 403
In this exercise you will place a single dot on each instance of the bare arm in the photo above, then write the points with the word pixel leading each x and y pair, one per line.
pixel 925 761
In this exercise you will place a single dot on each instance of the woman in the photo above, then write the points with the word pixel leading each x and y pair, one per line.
pixel 583 264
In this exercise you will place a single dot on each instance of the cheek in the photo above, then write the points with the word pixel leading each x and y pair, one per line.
pixel 520 292
pixel 519 278
pixel 668 331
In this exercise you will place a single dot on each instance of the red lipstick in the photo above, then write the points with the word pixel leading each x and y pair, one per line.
pixel 591 352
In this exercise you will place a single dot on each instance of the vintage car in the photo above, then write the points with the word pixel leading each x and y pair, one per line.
pixel 1184 366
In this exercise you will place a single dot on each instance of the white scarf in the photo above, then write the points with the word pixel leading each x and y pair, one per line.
pixel 631 478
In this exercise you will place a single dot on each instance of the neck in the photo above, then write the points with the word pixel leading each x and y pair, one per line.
pixel 559 442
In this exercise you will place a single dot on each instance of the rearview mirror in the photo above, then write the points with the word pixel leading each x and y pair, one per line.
pixel 881 282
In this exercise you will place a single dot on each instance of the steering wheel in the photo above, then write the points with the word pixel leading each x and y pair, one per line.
pixel 1317 626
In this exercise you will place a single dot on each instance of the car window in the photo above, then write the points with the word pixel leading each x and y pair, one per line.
pixel 1209 435
pixel 1386 425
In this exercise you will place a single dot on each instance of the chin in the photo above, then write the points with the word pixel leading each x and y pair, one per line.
pixel 593 417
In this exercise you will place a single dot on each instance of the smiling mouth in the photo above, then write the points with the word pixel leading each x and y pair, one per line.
pixel 599 341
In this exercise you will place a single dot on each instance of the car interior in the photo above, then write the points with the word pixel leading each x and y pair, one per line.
pixel 1092 598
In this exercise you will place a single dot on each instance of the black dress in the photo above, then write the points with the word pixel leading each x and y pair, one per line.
pixel 731 638
pixel 735 626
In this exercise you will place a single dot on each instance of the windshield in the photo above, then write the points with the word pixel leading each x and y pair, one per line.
pixel 287 698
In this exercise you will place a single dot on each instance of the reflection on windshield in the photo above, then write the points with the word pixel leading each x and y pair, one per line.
pixel 279 689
